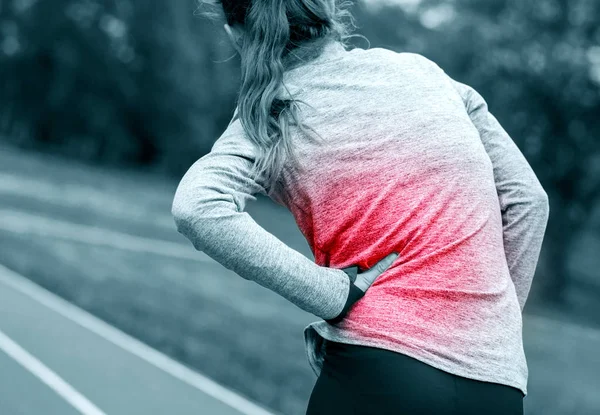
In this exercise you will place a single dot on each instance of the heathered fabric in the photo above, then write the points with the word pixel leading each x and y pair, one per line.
pixel 413 162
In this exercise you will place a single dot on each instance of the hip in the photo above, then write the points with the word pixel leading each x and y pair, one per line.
pixel 376 380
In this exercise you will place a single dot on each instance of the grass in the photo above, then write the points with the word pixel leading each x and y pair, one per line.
pixel 195 310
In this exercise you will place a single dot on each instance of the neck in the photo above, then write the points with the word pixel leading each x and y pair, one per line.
pixel 307 52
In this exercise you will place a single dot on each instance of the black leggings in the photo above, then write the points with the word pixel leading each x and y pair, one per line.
pixel 361 380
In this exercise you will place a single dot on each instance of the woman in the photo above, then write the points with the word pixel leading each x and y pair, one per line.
pixel 388 154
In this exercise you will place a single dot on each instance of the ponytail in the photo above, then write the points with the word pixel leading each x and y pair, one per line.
pixel 273 29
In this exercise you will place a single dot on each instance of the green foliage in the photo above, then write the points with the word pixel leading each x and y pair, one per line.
pixel 149 83
pixel 110 81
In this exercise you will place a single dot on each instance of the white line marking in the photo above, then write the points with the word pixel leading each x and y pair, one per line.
pixel 26 223
pixel 46 375
pixel 87 197
pixel 128 343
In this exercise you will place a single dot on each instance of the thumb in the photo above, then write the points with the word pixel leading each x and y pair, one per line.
pixel 365 279
pixel 386 262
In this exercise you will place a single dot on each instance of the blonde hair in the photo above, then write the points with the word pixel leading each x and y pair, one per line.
pixel 273 29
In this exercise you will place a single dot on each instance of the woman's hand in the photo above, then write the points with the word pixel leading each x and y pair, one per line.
pixel 360 283
pixel 366 278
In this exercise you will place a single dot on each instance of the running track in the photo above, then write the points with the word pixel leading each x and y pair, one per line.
pixel 56 358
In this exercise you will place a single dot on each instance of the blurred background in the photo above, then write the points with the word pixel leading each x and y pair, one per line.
pixel 105 104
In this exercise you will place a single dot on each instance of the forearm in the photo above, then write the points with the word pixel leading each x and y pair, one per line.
pixel 524 226
pixel 208 209
pixel 236 241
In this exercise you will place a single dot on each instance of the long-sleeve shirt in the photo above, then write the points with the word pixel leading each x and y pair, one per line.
pixel 410 161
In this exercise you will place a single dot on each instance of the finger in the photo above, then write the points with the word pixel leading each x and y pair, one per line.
pixel 386 262
pixel 365 279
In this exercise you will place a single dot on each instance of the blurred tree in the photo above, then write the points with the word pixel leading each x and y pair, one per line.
pixel 108 81
pixel 146 83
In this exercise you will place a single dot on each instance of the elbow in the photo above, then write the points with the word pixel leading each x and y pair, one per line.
pixel 197 211
pixel 541 202
pixel 546 205
pixel 187 205
pixel 544 199
pixel 541 196
pixel 181 213
pixel 187 224
pixel 189 211
pixel 180 216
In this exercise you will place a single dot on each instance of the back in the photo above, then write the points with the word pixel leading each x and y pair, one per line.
pixel 404 169
pixel 412 162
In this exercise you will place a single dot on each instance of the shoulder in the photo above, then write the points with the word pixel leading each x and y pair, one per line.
pixel 234 141
pixel 425 63
pixel 377 53
pixel 403 57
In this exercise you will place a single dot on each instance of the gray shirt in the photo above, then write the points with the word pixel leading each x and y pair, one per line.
pixel 413 162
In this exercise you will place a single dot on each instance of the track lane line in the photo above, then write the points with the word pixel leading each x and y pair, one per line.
pixel 47 376
pixel 128 343
pixel 26 223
